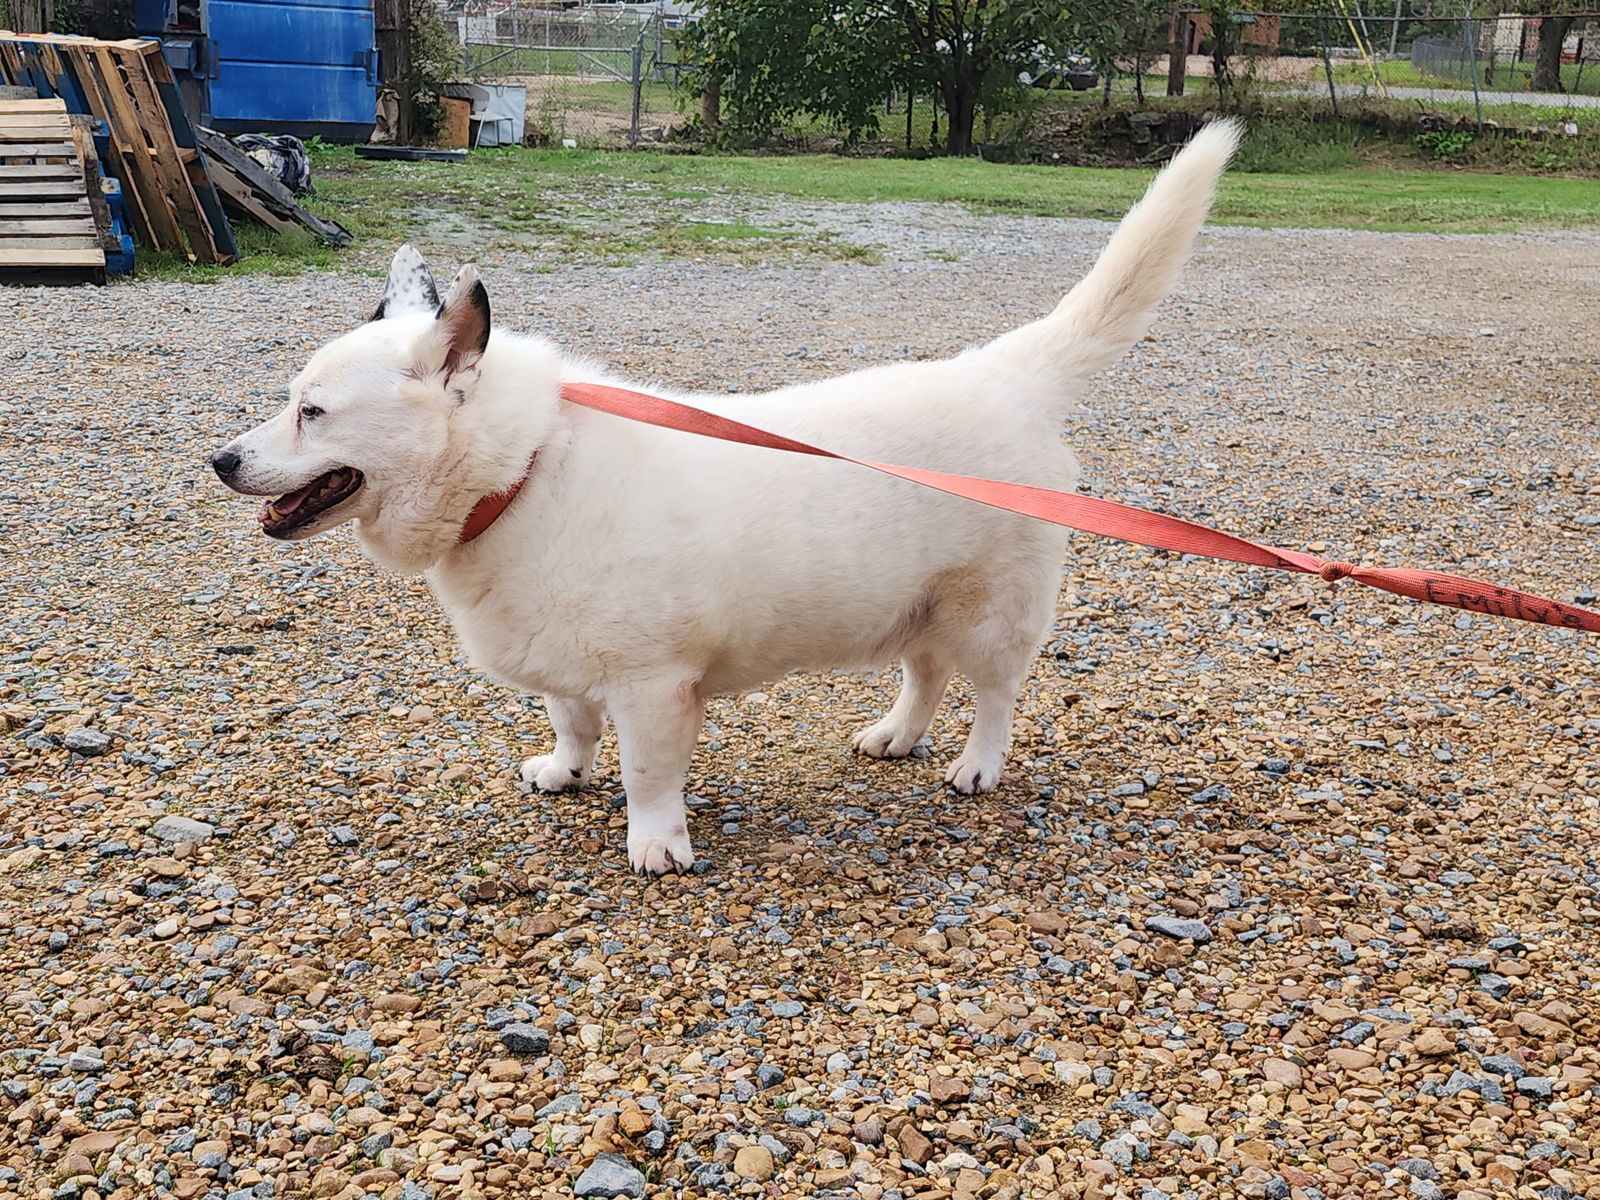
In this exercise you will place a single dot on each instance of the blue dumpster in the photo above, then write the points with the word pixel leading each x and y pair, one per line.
pixel 281 66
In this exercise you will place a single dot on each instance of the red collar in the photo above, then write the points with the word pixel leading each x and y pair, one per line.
pixel 488 510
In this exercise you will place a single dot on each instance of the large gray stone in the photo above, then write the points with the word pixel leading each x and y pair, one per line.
pixel 1173 927
pixel 181 829
pixel 610 1175
pixel 521 1037
pixel 86 741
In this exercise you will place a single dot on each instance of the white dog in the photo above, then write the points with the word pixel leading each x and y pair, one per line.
pixel 638 571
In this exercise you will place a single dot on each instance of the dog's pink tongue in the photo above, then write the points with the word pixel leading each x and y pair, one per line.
pixel 283 506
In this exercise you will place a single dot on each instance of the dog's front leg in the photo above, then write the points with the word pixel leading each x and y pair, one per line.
pixel 578 725
pixel 657 723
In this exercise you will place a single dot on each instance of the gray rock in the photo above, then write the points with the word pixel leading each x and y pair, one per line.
pixel 1497 986
pixel 520 1037
pixel 1089 1129
pixel 610 1175
pixel 1453 879
pixel 1503 1065
pixel 88 742
pixel 181 829
pixel 1418 1168
pixel 1173 927
pixel 87 1062
pixel 569 1103
pixel 1535 1085
pixel 787 1008
pixel 768 1075
pixel 1118 1152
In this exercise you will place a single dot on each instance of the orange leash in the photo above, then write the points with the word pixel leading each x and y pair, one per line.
pixel 1106 517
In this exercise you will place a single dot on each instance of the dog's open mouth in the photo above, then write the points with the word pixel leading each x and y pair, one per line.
pixel 297 509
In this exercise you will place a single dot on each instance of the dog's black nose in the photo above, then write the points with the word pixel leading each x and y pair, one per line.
pixel 224 463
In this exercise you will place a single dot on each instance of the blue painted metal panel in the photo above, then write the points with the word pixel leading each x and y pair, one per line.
pixel 281 61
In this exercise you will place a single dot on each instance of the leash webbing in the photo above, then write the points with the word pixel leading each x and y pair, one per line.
pixel 1106 517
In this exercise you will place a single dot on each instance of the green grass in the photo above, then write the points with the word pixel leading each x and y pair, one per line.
pixel 1412 200
pixel 1508 77
pixel 564 206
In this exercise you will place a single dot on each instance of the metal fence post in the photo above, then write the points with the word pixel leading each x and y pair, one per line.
pixel 1472 59
pixel 1327 68
pixel 638 87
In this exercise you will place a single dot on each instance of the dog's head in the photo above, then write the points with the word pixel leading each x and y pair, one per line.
pixel 385 426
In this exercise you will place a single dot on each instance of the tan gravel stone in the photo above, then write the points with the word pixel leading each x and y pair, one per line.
pixel 754 1162
pixel 1282 1071
pixel 1434 1042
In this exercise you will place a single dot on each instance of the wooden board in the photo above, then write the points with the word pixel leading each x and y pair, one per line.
pixel 47 173
pixel 32 106
pixel 63 208
pixel 35 226
pixel 31 188
pixel 37 150
pixel 31 132
pixel 195 167
pixel 21 254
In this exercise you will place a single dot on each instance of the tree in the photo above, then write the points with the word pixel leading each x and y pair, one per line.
pixel 760 62
pixel 840 59
pixel 1547 58
pixel 960 46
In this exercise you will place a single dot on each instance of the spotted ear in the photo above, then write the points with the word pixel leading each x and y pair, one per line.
pixel 461 333
pixel 410 288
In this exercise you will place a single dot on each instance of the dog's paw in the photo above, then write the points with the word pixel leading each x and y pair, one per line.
pixel 971 777
pixel 549 775
pixel 651 855
pixel 886 739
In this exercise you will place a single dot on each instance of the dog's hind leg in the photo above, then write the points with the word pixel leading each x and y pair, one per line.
pixel 924 679
pixel 997 658
pixel 578 725
pixel 997 677
pixel 657 725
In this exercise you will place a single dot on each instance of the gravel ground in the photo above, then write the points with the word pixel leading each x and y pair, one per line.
pixel 1292 892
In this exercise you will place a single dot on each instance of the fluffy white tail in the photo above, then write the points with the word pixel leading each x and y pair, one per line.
pixel 1112 307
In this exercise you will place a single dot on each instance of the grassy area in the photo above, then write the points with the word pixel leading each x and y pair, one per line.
pixel 1503 77
pixel 612 207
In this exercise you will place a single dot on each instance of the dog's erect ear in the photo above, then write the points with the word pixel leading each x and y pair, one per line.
pixel 410 288
pixel 464 321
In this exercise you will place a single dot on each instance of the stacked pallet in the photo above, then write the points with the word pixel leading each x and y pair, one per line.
pixel 128 87
pixel 47 227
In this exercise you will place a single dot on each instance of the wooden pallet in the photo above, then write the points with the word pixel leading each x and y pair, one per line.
pixel 128 86
pixel 47 227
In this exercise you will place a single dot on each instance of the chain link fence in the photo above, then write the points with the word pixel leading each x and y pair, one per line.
pixel 607 75
pixel 595 75
pixel 1500 62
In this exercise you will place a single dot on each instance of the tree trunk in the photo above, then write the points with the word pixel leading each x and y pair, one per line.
pixel 961 110
pixel 1547 59
pixel 1178 52
pixel 1221 50
pixel 711 104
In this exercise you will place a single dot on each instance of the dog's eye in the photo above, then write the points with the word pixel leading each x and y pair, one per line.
pixel 310 412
